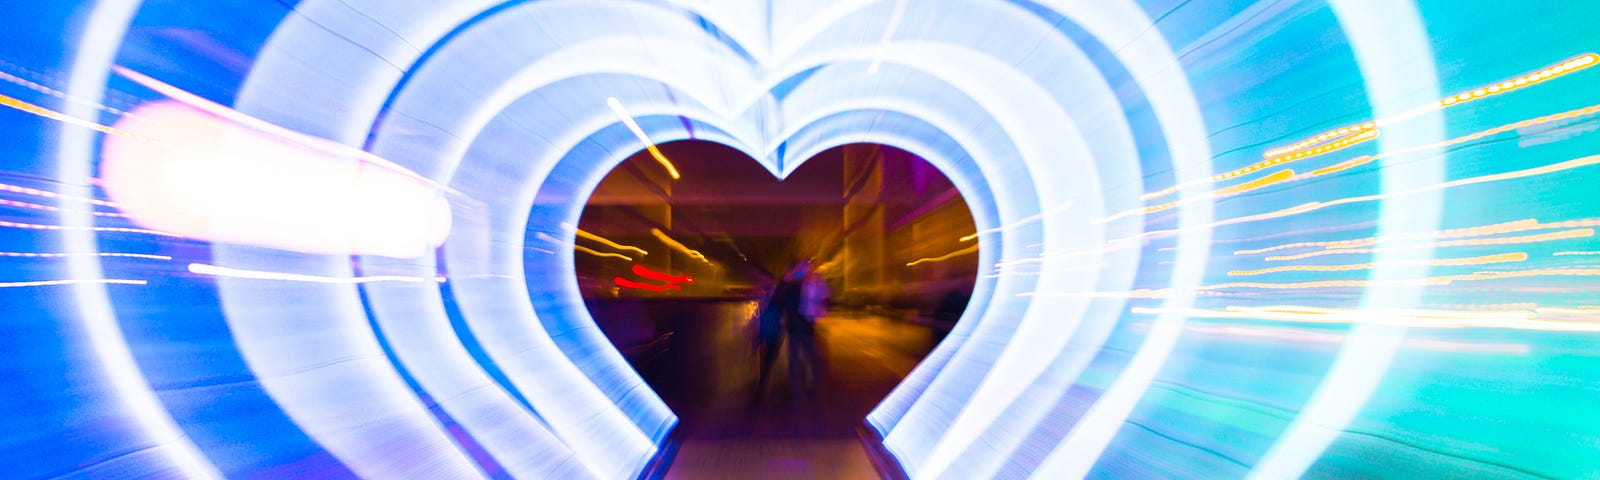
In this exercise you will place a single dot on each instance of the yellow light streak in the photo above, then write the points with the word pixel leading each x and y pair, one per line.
pixel 1426 281
pixel 1568 66
pixel 1347 136
pixel 692 253
pixel 1275 161
pixel 607 242
pixel 1440 262
pixel 941 258
pixel 1316 336
pixel 64 118
pixel 1571 65
pixel 1498 228
pixel 1319 138
pixel 633 126
pixel 1263 182
pixel 1537 319
pixel 1342 166
pixel 596 253
pixel 1562 254
pixel 1489 306
pixel 1521 239
pixel 1318 205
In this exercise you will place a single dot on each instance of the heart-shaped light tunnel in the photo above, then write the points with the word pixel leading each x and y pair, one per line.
pixel 1220 239
pixel 695 280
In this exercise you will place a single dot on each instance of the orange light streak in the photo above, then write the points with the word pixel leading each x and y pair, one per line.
pixel 607 242
pixel 692 253
pixel 1263 182
pixel 1293 157
pixel 597 253
pixel 1318 205
pixel 1344 137
pixel 941 258
pixel 1570 65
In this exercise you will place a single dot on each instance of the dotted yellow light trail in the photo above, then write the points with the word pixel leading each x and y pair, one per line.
pixel 1344 137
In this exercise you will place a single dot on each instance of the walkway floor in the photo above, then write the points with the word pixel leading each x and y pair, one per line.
pixel 708 374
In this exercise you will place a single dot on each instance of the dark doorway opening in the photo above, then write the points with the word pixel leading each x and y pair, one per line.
pixel 676 272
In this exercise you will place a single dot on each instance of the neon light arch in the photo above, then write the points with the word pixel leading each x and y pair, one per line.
pixel 739 108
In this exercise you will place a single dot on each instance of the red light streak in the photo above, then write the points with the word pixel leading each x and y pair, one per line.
pixel 625 283
pixel 640 270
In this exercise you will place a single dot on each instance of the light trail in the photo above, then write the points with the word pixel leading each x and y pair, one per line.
pixel 596 253
pixel 325 146
pixel 1517 240
pixel 1541 319
pixel 71 255
pixel 692 253
pixel 1568 66
pixel 216 271
pixel 47 208
pixel 941 258
pixel 888 33
pixel 1316 336
pixel 1440 262
pixel 1319 205
pixel 49 194
pixel 35 226
pixel 46 283
pixel 1272 162
pixel 1498 228
pixel 627 119
pixel 1263 182
pixel 1345 137
pixel 607 242
pixel 646 272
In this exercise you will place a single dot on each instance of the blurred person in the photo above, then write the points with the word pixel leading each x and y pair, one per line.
pixel 768 332
pixel 810 301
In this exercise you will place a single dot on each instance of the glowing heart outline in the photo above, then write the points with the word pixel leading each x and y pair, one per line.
pixel 111 15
